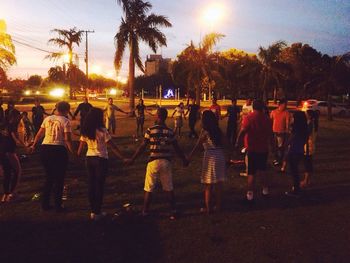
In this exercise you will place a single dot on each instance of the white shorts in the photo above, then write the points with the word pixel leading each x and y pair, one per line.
pixel 161 169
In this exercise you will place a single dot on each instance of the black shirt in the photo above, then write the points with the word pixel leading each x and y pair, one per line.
pixel 193 108
pixel 233 113
pixel 140 110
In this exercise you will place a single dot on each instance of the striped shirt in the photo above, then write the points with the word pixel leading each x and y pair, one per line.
pixel 160 139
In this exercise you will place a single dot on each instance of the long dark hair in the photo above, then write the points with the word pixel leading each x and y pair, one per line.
pixel 299 126
pixel 210 124
pixel 93 121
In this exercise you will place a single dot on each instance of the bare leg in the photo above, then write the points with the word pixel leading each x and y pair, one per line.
pixel 207 197
pixel 17 169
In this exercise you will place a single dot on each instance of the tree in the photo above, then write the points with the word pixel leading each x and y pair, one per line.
pixel 7 48
pixel 34 80
pixel 136 26
pixel 56 74
pixel 196 66
pixel 271 67
pixel 66 39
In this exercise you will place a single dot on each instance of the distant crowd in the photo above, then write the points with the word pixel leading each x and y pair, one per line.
pixel 252 131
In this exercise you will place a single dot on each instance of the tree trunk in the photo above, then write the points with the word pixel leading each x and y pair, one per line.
pixel 131 81
pixel 198 94
pixel 70 53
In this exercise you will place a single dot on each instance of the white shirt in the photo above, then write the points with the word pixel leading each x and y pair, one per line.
pixel 110 110
pixel 98 147
pixel 55 128
pixel 179 112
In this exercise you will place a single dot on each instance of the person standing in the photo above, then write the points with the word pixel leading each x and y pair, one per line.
pixel 38 113
pixel 233 112
pixel 161 140
pixel 193 111
pixel 83 108
pixel 110 110
pixel 96 137
pixel 179 113
pixel 11 163
pixel 56 130
pixel 296 144
pixel 280 126
pixel 256 131
pixel 216 109
pixel 140 117
pixel 213 165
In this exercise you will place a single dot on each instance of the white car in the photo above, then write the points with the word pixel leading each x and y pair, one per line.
pixel 321 107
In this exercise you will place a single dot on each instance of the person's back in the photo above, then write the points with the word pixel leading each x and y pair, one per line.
pixel 258 127
pixel 97 147
pixel 55 126
pixel 160 139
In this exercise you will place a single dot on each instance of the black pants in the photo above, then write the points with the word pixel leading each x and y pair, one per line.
pixel 97 169
pixel 192 125
pixel 10 178
pixel 294 160
pixel 231 132
pixel 55 161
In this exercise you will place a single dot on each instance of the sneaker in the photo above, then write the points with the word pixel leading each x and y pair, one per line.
pixel 275 163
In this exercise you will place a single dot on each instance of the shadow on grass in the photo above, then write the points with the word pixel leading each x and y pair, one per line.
pixel 124 240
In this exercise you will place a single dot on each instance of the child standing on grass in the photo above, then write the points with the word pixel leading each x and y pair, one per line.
pixel 57 133
pixel 296 143
pixel 95 136
pixel 213 165
pixel 179 113
pixel 160 139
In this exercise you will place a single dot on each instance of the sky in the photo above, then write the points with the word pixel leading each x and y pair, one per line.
pixel 246 24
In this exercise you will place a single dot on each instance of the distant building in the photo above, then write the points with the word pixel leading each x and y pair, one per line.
pixel 156 63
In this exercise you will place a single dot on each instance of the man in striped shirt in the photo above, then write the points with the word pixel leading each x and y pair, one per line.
pixel 161 141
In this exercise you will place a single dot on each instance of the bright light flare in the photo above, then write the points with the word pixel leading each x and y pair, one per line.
pixel 113 92
pixel 27 92
pixel 214 13
pixel 57 92
pixel 122 80
pixel 97 69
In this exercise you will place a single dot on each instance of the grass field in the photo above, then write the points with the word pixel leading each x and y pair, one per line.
pixel 314 228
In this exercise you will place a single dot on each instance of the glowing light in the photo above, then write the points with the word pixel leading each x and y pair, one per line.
pixel 27 92
pixel 113 92
pixel 110 74
pixel 57 93
pixel 169 94
pixel 213 14
pixel 66 58
pixel 37 92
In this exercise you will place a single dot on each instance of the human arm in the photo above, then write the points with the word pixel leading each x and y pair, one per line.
pixel 199 142
pixel 37 138
pixel 68 142
pixel 78 109
pixel 16 138
pixel 139 151
pixel 81 147
pixel 180 153
pixel 115 150
pixel 120 110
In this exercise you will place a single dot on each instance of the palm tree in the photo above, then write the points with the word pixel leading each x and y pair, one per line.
pixel 7 48
pixel 66 39
pixel 137 26
pixel 271 67
pixel 196 65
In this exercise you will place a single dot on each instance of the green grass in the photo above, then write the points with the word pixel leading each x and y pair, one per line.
pixel 314 228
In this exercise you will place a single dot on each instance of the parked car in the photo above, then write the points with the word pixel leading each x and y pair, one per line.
pixel 321 107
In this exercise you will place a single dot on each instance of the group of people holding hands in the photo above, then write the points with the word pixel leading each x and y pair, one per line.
pixel 293 136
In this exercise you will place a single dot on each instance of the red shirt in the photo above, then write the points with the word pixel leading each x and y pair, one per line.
pixel 216 110
pixel 258 127
pixel 280 121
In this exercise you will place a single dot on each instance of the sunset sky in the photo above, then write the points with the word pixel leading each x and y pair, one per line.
pixel 247 25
